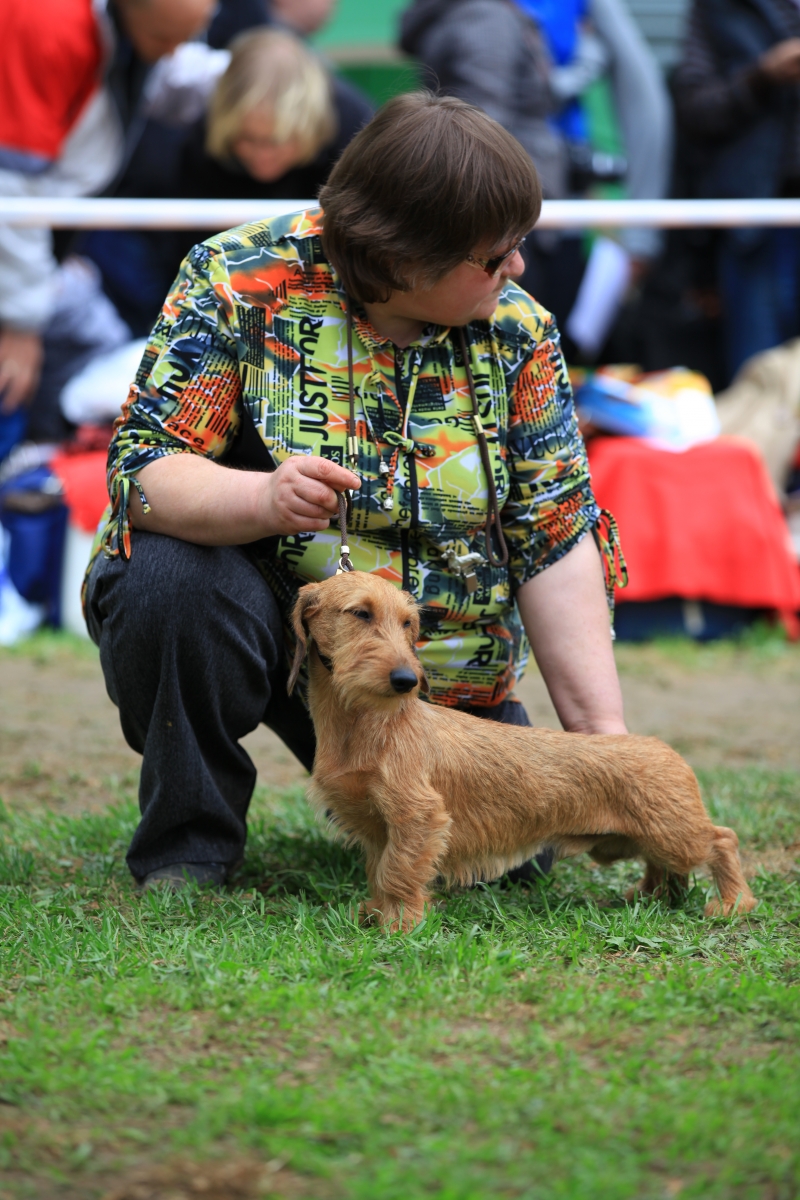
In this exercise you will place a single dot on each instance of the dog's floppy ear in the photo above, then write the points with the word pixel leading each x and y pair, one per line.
pixel 420 609
pixel 307 604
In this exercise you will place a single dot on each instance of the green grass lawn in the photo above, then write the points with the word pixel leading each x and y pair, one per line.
pixel 536 1043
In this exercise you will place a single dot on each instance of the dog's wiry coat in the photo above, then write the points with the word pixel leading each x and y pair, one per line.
pixel 432 792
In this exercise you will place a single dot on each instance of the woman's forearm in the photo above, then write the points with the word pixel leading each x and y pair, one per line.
pixel 199 500
pixel 565 615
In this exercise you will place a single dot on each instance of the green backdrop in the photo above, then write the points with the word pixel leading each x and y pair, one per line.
pixel 363 22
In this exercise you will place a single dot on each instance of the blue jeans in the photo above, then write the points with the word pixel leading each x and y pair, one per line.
pixel 760 286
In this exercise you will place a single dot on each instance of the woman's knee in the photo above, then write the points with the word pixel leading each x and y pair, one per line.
pixel 170 590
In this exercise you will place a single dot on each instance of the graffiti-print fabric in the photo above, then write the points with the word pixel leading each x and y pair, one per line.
pixel 257 317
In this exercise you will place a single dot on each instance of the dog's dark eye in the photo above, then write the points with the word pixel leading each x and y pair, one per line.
pixel 362 614
pixel 406 624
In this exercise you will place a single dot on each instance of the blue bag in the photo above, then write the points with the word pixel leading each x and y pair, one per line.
pixel 33 512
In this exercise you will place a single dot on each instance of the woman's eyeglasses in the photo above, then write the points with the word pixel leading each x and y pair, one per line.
pixel 492 265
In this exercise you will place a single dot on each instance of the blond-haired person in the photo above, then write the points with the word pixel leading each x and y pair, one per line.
pixel 272 130
pixel 276 123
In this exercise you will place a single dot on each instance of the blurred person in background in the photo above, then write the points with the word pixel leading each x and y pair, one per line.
pixel 737 98
pixel 276 123
pixel 77 80
pixel 492 54
pixel 527 63
pixel 595 40
pixel 302 17
pixel 644 110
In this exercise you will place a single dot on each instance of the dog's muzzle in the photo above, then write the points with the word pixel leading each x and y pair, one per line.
pixel 403 679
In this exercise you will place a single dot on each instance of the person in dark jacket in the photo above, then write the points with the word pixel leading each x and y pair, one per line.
pixel 737 98
pixel 493 55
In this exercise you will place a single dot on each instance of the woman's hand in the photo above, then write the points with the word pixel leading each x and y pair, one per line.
pixel 198 500
pixel 302 495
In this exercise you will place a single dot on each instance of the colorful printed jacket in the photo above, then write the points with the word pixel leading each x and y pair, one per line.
pixel 257 317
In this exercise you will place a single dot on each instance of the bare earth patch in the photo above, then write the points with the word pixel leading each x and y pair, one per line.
pixel 718 705
pixel 61 745
pixel 184 1180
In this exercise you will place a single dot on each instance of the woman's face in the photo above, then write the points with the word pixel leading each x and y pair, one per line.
pixel 258 152
pixel 464 294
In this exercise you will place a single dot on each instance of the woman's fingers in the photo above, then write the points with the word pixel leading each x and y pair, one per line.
pixel 317 481
pixel 302 508
pixel 338 479
pixel 316 494
pixel 305 492
pixel 301 495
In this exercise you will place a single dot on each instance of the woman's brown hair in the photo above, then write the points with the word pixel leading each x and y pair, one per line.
pixel 429 180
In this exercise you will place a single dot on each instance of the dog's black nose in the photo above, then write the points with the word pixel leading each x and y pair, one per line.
pixel 403 679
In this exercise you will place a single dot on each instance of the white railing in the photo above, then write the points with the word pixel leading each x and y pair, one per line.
pixel 68 213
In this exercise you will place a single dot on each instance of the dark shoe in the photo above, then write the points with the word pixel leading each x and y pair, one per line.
pixel 180 875
pixel 531 872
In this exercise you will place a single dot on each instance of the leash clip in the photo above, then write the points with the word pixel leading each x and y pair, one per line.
pixel 345 507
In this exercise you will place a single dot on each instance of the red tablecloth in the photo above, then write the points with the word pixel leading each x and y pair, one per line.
pixel 704 525
pixel 84 480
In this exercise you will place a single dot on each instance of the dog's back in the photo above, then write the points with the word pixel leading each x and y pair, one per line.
pixel 509 788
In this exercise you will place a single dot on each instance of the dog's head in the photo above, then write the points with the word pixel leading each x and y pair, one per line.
pixel 364 631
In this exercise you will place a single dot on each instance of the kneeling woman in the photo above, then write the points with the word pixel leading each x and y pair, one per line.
pixel 376 343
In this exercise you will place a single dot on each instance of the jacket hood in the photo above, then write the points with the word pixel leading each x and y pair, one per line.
pixel 417 20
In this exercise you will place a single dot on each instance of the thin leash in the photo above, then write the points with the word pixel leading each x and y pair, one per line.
pixel 345 499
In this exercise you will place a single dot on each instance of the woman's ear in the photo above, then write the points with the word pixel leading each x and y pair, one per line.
pixel 306 606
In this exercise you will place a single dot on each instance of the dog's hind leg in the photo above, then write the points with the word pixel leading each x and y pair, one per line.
pixel 400 876
pixel 726 870
pixel 656 882
pixel 659 883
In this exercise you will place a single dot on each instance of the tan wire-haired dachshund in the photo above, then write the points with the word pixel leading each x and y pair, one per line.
pixel 432 792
